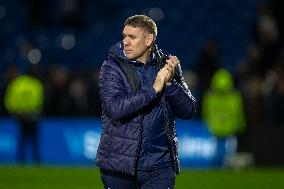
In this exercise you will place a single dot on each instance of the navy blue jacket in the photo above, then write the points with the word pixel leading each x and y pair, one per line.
pixel 122 116
pixel 154 149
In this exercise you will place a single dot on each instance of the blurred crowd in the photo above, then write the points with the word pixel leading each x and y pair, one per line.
pixel 73 91
pixel 67 92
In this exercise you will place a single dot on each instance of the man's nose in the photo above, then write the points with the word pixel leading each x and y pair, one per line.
pixel 126 41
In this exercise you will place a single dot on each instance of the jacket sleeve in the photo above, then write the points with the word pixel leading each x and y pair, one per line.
pixel 117 101
pixel 180 98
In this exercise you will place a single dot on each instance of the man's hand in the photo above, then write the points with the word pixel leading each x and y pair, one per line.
pixel 160 79
pixel 172 62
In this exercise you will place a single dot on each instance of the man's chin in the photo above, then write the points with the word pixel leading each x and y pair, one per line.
pixel 131 58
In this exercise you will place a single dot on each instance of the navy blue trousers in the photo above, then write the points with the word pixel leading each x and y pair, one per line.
pixel 163 178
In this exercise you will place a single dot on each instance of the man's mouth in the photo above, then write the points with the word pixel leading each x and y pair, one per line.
pixel 127 51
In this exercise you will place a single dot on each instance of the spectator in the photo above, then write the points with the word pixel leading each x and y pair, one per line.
pixel 58 100
pixel 24 100
pixel 207 65
pixel 223 111
pixel 267 36
pixel 77 91
pixel 275 96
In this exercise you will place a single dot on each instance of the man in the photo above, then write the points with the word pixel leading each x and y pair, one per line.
pixel 141 94
pixel 223 112
pixel 24 99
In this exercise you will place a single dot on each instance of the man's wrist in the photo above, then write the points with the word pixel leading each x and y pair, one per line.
pixel 156 89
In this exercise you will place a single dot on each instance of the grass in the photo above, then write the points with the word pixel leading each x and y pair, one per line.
pixel 41 177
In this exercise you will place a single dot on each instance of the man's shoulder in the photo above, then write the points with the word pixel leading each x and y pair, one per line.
pixel 111 66
pixel 110 63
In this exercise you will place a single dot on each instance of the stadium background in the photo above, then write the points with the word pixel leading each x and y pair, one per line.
pixel 65 42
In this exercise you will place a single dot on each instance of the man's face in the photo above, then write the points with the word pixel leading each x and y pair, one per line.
pixel 136 42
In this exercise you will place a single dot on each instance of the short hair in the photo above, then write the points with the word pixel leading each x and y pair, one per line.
pixel 142 21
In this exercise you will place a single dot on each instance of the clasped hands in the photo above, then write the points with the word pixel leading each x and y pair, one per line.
pixel 166 74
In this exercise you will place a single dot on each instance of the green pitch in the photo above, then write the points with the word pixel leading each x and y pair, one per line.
pixel 41 177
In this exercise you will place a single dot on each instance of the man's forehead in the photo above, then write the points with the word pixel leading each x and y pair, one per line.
pixel 132 29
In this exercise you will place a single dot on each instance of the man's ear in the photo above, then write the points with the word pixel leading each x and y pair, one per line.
pixel 149 40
